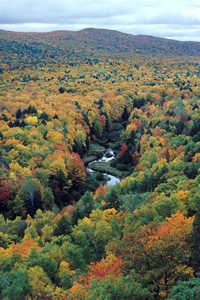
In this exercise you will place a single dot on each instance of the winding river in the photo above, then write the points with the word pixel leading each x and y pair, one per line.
pixel 108 156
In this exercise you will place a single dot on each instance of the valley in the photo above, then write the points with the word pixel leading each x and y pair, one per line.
pixel 99 166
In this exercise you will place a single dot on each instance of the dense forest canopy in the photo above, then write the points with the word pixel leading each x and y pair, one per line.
pixel 18 49
pixel 67 99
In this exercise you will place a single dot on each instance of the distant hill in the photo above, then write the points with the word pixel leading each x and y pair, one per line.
pixel 87 44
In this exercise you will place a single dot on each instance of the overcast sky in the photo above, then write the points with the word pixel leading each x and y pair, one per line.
pixel 176 19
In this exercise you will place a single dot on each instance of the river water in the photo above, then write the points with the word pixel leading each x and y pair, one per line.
pixel 105 158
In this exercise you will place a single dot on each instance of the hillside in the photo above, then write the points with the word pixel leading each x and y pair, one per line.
pixel 85 45
pixel 99 167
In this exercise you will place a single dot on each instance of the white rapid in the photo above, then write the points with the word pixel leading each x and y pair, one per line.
pixel 108 156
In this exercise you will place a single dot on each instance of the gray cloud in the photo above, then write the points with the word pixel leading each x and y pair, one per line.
pixel 178 19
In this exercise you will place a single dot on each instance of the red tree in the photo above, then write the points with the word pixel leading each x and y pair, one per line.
pixel 5 193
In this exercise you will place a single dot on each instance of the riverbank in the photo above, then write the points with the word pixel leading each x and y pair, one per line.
pixel 99 160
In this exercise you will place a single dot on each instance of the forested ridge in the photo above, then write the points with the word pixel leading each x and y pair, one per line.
pixel 65 233
pixel 87 45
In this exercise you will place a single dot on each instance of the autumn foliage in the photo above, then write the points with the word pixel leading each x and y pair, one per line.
pixel 64 232
pixel 5 193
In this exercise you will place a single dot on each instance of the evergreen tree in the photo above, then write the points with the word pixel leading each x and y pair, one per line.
pixel 85 205
pixel 14 285
pixel 112 199
pixel 195 257
pixel 63 227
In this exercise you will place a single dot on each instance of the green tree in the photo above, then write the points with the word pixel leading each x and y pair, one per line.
pixel 186 290
pixel 85 205
pixel 48 199
pixel 28 198
pixel 63 227
pixel 122 288
pixel 112 198
pixel 48 264
pixel 14 285
pixel 195 258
